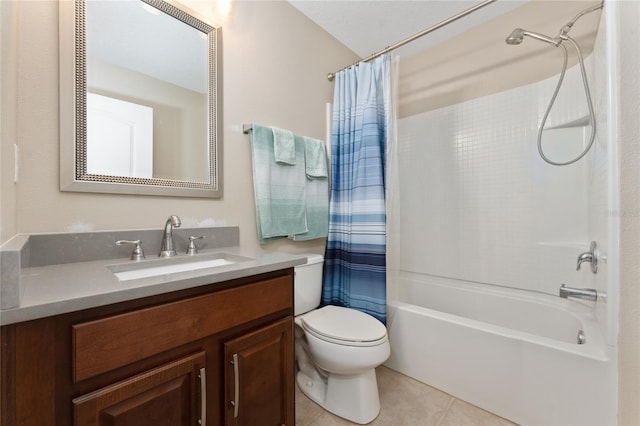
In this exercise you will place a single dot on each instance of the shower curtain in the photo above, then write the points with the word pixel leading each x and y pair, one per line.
pixel 355 262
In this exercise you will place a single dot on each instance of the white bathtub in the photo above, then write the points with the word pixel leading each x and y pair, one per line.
pixel 511 352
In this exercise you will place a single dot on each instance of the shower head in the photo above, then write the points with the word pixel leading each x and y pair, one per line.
pixel 517 36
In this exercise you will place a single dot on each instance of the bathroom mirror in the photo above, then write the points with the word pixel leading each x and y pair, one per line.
pixel 139 101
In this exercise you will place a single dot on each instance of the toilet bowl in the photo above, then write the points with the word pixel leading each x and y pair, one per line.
pixel 337 350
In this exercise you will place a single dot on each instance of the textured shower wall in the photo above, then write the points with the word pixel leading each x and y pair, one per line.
pixel 476 202
pixel 601 214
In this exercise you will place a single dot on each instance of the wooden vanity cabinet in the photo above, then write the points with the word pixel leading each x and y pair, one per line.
pixel 256 394
pixel 166 395
pixel 214 355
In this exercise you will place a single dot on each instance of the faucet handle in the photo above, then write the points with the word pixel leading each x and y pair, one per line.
pixel 138 253
pixel 192 249
pixel 590 256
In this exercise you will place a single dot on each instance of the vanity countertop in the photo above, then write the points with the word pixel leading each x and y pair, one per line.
pixel 57 289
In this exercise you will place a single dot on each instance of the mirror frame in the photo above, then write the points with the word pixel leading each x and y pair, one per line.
pixel 73 104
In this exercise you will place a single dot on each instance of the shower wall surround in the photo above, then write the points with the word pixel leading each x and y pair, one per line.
pixel 478 203
pixel 602 177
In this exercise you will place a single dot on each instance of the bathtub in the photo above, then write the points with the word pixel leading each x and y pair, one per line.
pixel 511 352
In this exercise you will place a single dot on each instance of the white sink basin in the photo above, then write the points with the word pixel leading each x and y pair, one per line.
pixel 152 268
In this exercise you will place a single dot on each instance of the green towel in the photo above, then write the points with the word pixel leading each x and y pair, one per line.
pixel 284 146
pixel 279 189
pixel 315 157
pixel 317 190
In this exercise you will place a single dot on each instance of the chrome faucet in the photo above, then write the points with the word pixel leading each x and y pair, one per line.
pixel 192 249
pixel 578 293
pixel 590 256
pixel 166 249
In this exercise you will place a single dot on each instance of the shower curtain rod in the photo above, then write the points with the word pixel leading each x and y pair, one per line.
pixel 441 24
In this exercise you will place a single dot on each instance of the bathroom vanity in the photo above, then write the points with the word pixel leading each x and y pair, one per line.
pixel 220 354
pixel 199 347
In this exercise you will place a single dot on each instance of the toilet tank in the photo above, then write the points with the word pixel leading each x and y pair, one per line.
pixel 307 284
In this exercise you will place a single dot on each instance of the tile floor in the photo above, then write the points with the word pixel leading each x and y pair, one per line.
pixel 405 402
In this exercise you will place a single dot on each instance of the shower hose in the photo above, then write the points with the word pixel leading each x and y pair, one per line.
pixel 592 117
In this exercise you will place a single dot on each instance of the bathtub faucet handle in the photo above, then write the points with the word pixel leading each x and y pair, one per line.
pixel 590 256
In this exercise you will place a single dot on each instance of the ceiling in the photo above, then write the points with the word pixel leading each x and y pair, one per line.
pixel 368 26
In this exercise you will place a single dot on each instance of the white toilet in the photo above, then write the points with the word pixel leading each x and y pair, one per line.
pixel 337 350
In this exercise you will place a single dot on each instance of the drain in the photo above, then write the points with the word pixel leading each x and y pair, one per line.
pixel 581 337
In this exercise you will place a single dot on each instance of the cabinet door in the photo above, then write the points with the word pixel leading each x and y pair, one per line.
pixel 259 382
pixel 171 395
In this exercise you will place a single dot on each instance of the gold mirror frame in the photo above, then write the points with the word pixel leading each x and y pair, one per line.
pixel 73 116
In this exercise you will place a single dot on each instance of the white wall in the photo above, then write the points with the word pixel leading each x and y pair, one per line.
pixel 478 203
pixel 275 63
pixel 602 186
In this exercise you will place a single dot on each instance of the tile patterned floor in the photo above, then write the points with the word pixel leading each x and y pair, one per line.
pixel 404 402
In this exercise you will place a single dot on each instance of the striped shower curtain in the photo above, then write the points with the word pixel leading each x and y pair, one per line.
pixel 355 264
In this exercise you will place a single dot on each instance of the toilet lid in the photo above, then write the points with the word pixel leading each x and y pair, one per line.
pixel 344 325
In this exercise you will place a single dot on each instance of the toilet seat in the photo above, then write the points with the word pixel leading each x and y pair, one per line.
pixel 344 326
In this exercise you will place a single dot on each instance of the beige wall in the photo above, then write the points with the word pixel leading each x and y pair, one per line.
pixel 275 65
pixel 478 62
pixel 629 155
pixel 8 117
pixel 179 114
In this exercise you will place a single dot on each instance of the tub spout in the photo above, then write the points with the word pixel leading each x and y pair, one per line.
pixel 579 293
